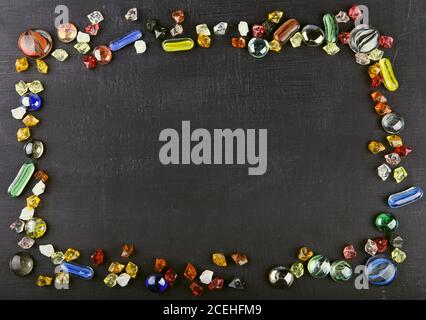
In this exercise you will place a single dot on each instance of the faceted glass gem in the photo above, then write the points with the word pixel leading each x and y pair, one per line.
pixel 341 271
pixel 35 43
pixel 151 24
pixel 202 29
pixel 370 247
pixel 393 123
pixel 219 259
pixel 116 267
pixel 127 250
pixel 18 113
pixel 220 28
pixel 258 30
pixel 297 269
pixel 92 29
pixel 102 54
pixel 35 86
pixel 274 45
pixel 132 14
pixel 384 171
pixel 132 269
pixel 204 41
pixel 305 253
pixel 95 17
pixel 156 283
pixel 382 244
pixel 382 109
pixel 275 16
pixel 46 250
pixel 176 30
pixel 373 70
pixel 380 270
pixel 239 259
pixel 160 264
pixel 196 289
pixel 71 254
pixel 269 27
pixel 21 264
pixel 33 201
pixel 62 280
pixel 97 257
pixel 393 159
pixel 386 222
pixel 239 42
pixel 31 101
pixel 111 280
pixel 216 284
pixel 82 47
pixel 178 16
pixel 30 121
pixel 397 241
pixel 21 88
pixel 26 242
pixel 43 281
pixel 39 188
pixel 258 48
pixel 35 228
pixel 342 17
pixel 89 62
pixel 362 59
pixel 41 175
pixel 376 81
pixel 281 277
pixel 206 277
pixel 318 266
pixel 394 141
pixel 34 149
pixel 386 42
pixel 42 66
pixel 17 226
pixel 355 12
pixel 331 49
pixel 123 279
pixel 402 151
pixel 364 39
pixel 170 276
pixel 21 64
pixel 66 32
pixel 57 257
pixel 344 37
pixel 399 174
pixel 376 55
pixel 237 284
pixel 378 97
pixel 23 134
pixel 83 37
pixel 313 36
pixel 296 40
pixel 405 197
pixel 160 32
pixel 26 214
pixel 349 252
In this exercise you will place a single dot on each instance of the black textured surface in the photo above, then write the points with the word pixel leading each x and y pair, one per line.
pixel 107 186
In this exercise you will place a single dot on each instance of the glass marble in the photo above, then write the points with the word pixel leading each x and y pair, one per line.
pixel 258 48
pixel 380 270
pixel 35 43
pixel 405 197
pixel 364 39
pixel 102 54
pixel 66 32
pixel 77 270
pixel 156 283
pixel 34 149
pixel 281 277
pixel 313 36
pixel 386 222
pixel 21 264
pixel 389 78
pixel 286 30
pixel 31 101
pixel 125 40
pixel 319 266
pixel 393 123
pixel 341 271
pixel 175 45
pixel 35 228
pixel 331 28
pixel 21 180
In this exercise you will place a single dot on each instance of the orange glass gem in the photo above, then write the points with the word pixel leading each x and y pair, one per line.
pixel 127 250
pixel 239 42
pixel 35 43
pixel 239 258
pixel 382 109
pixel 190 272
pixel 178 16
pixel 102 54
pixel 374 70
pixel 41 175
pixel 378 97
pixel 170 276
pixel 159 264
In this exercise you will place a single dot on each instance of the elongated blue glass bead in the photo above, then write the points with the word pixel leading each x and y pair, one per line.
pixel 123 41
pixel 78 270
pixel 405 197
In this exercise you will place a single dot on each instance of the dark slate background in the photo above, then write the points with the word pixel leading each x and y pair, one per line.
pixel 107 186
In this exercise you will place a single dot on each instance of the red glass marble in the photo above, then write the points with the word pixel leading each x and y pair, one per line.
pixel 35 43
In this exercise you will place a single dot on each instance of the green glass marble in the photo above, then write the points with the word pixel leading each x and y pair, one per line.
pixel 21 180
pixel 386 222
pixel 341 271
pixel 331 28
pixel 318 266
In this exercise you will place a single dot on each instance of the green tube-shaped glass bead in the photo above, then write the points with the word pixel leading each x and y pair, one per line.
pixel 21 179
pixel 331 28
pixel 174 45
pixel 389 79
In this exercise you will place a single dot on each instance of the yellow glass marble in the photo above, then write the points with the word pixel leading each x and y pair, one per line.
pixel 23 134
pixel 389 79
pixel 394 141
pixel 376 147
pixel 42 67
pixel 43 281
pixel 275 16
pixel 33 201
pixel 116 267
pixel 204 41
pixel 180 44
pixel 21 64
pixel 132 269
pixel 219 259
pixel 71 254
pixel 305 253
pixel 35 228
pixel 30 120
pixel 275 45
pixel 399 174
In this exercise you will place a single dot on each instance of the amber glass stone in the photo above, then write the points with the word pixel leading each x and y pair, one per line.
pixel 41 175
pixel 190 272
pixel 102 54
pixel 160 264
pixel 66 32
pixel 35 43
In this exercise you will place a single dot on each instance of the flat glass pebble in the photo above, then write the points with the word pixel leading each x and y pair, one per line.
pixel 342 17
pixel 26 242
pixel 389 78
pixel 393 123
pixel 258 48
pixel 21 64
pixel 83 37
pixel 31 101
pixel 42 66
pixel 397 241
pixel 21 180
pixel 156 283
pixel 220 28
pixel 331 49
pixel 341 271
pixel 318 266
pixel 66 32
pixel 386 222
pixel 30 121
pixel 384 171
pixel 281 277
pixel 27 213
pixel 313 36
pixel 399 174
pixel 125 40
pixel 21 88
pixel 237 284
pixel 95 17
pixel 380 270
pixel 405 197
pixel 21 264
pixel 364 39
pixel 39 188
pixel 370 247
pixel 17 226
pixel 35 228
pixel 123 280
pixel 62 281
pixel 46 250
pixel 57 257
pixel 35 86
pixel 34 149
pixel 243 28
pixel 132 269
pixel 111 280
pixel 297 269
pixel 362 59
pixel 35 43
pixel 18 113
pixel 131 14
pixel 82 47
pixel 376 55
pixel 77 270
pixel 102 54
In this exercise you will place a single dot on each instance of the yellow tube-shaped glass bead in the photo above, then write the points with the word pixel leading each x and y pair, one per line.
pixel 389 79
pixel 181 44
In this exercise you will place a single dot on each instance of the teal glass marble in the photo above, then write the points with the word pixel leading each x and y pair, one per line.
pixel 258 47
pixel 386 222
pixel 77 270
pixel 281 277
pixel 319 266
pixel 380 270
pixel 405 197
pixel 341 271
pixel 331 28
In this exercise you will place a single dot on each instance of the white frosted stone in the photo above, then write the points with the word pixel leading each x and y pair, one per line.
pixel 243 28
pixel 27 213
pixel 39 188
pixel 140 46
pixel 18 113
pixel 206 277
pixel 123 279
pixel 47 250
pixel 83 37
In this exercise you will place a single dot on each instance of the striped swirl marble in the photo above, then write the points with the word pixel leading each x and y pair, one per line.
pixel 364 39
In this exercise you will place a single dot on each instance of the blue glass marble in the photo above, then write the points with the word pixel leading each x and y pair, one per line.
pixel 78 270
pixel 31 101
pixel 156 283
pixel 380 270
pixel 123 41
pixel 405 197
